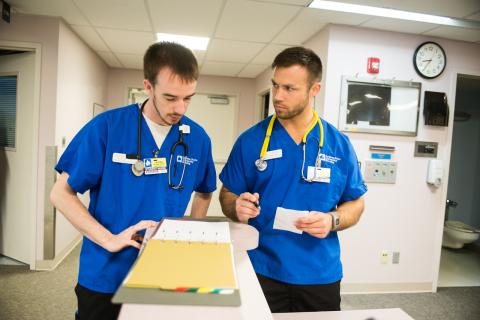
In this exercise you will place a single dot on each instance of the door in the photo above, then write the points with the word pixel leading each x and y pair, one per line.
pixel 217 115
pixel 17 183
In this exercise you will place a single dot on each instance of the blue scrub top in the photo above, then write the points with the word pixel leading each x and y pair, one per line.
pixel 119 199
pixel 282 255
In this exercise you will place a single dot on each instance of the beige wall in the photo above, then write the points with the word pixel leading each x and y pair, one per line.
pixel 81 81
pixel 119 80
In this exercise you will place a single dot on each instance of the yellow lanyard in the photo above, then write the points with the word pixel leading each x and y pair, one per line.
pixel 268 133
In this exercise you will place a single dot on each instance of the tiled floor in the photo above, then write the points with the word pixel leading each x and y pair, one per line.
pixel 459 268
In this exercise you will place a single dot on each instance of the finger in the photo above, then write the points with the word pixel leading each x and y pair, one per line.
pixel 312 218
pixel 315 231
pixel 256 195
pixel 249 197
pixel 250 212
pixel 134 244
pixel 144 224
pixel 248 204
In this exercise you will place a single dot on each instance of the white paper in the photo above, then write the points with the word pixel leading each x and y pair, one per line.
pixel 201 231
pixel 285 219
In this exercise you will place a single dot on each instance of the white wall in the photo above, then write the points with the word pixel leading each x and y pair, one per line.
pixel 407 216
pixel 81 81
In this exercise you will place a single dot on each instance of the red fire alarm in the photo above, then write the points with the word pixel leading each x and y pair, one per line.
pixel 373 65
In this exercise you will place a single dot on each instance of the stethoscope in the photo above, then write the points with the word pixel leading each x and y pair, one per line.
pixel 138 168
pixel 261 163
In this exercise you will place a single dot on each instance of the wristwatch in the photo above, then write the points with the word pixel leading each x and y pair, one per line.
pixel 335 220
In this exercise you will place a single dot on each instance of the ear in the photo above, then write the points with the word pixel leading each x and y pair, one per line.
pixel 148 87
pixel 315 89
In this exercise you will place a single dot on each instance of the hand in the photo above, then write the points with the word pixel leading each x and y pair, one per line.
pixel 317 224
pixel 247 206
pixel 128 237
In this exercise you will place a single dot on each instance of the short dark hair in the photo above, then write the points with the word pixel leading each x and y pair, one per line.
pixel 178 58
pixel 300 56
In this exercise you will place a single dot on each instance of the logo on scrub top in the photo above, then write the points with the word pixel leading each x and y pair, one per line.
pixel 186 160
pixel 330 159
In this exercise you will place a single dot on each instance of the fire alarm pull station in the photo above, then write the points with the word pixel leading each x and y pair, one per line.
pixel 373 65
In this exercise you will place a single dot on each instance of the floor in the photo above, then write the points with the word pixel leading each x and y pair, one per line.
pixel 27 294
pixel 6 261
pixel 459 268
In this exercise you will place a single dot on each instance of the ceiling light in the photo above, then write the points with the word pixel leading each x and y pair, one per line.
pixel 193 43
pixel 392 13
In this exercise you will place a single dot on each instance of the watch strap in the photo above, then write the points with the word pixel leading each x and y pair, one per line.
pixel 335 220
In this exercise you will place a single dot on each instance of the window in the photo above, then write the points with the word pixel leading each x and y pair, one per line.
pixel 8 111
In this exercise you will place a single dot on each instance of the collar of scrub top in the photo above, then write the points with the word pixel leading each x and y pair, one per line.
pixel 261 162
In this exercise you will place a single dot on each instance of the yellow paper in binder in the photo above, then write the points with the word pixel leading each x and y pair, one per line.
pixel 170 265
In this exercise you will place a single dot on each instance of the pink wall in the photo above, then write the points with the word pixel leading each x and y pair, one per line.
pixel 406 216
pixel 119 80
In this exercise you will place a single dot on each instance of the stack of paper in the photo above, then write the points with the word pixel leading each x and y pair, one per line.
pixel 192 256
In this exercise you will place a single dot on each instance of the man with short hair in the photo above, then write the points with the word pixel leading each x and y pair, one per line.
pixel 294 163
pixel 141 163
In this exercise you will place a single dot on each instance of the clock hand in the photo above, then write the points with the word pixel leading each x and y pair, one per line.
pixel 426 65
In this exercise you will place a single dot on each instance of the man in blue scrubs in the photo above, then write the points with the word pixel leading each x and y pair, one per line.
pixel 141 164
pixel 296 179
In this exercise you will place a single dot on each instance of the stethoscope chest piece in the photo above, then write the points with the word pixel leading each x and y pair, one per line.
pixel 138 168
pixel 261 164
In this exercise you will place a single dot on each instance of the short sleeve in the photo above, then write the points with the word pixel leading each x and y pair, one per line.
pixel 355 187
pixel 207 176
pixel 84 157
pixel 233 174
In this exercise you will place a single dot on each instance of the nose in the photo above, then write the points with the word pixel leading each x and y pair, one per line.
pixel 180 107
pixel 277 94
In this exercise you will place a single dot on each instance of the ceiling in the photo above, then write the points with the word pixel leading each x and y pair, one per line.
pixel 245 35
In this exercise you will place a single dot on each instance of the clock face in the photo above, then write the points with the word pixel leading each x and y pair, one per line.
pixel 429 60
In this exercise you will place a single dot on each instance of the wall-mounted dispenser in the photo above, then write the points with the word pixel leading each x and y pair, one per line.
pixel 435 109
pixel 435 172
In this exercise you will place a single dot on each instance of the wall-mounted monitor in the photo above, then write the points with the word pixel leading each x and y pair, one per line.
pixel 379 106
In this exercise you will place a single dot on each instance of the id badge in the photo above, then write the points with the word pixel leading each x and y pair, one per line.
pixel 319 174
pixel 155 165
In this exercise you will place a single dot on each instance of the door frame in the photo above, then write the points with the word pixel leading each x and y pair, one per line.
pixel 37 49
pixel 455 73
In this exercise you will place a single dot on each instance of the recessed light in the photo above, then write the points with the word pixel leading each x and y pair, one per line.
pixel 191 42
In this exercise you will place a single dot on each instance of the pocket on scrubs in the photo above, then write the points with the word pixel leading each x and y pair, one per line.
pixel 325 196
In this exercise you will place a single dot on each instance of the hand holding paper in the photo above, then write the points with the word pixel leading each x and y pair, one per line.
pixel 317 224
pixel 285 219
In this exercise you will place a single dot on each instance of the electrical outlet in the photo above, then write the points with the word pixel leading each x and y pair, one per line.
pixel 384 257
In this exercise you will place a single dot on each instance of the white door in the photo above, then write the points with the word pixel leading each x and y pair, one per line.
pixel 219 120
pixel 16 180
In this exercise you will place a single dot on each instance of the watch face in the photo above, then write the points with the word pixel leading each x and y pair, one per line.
pixel 429 60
